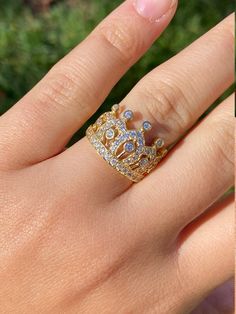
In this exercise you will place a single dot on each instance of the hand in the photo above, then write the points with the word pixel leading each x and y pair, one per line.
pixel 75 235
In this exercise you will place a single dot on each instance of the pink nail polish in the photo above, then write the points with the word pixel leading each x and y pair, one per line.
pixel 153 10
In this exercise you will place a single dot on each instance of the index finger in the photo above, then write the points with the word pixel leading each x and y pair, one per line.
pixel 72 91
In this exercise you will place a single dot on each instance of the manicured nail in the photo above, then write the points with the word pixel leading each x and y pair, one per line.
pixel 153 10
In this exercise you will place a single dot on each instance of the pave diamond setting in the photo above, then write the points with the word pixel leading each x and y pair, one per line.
pixel 125 150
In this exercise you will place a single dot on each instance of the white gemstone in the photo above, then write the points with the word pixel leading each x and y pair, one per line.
pixel 129 147
pixel 113 162
pixel 102 150
pixel 143 162
pixel 107 156
pixel 99 121
pixel 97 145
pixel 133 134
pixel 147 126
pixel 115 107
pixel 160 143
pixel 110 134
pixel 128 114
pixel 120 167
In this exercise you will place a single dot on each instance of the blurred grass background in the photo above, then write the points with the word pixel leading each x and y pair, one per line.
pixel 34 35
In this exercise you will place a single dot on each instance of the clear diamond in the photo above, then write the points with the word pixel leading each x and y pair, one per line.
pixel 97 145
pixel 99 121
pixel 160 143
pixel 128 114
pixel 139 149
pixel 133 134
pixel 147 126
pixel 107 156
pixel 129 147
pixel 120 167
pixel 110 134
pixel 100 134
pixel 143 162
pixel 140 141
pixel 113 162
pixel 115 107
pixel 102 150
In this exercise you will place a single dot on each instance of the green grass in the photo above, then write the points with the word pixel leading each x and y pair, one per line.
pixel 30 44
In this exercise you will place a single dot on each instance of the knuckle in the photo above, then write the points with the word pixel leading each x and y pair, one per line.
pixel 55 92
pixel 66 88
pixel 123 37
pixel 167 102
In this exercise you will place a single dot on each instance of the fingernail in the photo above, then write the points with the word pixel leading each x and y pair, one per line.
pixel 153 10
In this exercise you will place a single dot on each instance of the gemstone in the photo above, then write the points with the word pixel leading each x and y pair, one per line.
pixel 120 167
pixel 110 134
pixel 99 121
pixel 109 124
pixel 128 114
pixel 97 145
pixel 108 115
pixel 115 107
pixel 119 123
pixel 143 162
pixel 133 134
pixel 160 143
pixel 100 134
pixel 129 147
pixel 147 126
pixel 113 162
pixel 107 156
pixel 139 149
pixel 148 150
pixel 102 150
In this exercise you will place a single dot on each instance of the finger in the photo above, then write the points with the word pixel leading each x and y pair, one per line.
pixel 205 256
pixel 220 301
pixel 177 93
pixel 201 76
pixel 43 121
pixel 195 174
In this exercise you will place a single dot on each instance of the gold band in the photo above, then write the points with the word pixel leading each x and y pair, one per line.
pixel 125 149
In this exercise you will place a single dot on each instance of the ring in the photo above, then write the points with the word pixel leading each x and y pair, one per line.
pixel 125 149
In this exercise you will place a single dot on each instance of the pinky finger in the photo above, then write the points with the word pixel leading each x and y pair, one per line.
pixel 206 258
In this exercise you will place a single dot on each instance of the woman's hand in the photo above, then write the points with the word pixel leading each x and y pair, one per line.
pixel 75 235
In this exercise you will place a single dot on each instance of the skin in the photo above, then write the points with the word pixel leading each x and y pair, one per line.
pixel 75 235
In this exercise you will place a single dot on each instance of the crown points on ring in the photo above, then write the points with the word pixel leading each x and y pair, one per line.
pixel 147 126
pixel 125 149
pixel 128 115
pixel 115 108
pixel 159 143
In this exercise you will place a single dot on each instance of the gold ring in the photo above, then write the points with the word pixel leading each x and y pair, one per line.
pixel 125 149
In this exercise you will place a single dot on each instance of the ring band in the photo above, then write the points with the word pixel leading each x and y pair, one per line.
pixel 125 149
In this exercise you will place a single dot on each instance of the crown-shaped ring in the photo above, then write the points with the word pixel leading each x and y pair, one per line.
pixel 123 148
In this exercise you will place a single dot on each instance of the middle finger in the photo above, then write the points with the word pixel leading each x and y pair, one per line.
pixel 182 89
